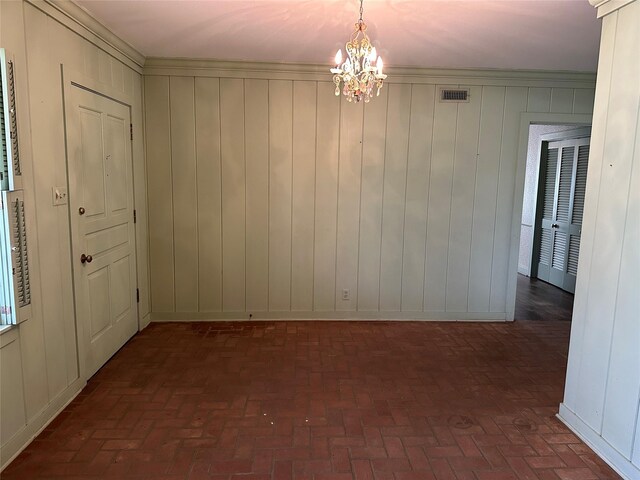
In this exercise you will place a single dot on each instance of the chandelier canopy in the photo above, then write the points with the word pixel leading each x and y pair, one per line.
pixel 361 72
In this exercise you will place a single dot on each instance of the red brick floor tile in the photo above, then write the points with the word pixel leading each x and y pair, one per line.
pixel 496 475
pixel 468 446
pixel 391 464
pixel 415 476
pixel 340 459
pixel 394 447
pixel 368 452
pixel 545 462
pixel 442 470
pixel 522 469
pixel 575 474
pixel 283 471
pixel 436 452
pixel 333 476
pixel 362 469
pixel 469 463
pixel 321 401
pixel 418 459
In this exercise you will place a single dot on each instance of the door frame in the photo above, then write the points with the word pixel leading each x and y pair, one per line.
pixel 578 132
pixel 70 80
pixel 526 120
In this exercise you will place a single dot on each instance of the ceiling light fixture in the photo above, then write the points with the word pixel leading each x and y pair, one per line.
pixel 361 72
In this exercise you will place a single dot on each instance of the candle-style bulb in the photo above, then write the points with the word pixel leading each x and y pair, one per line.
pixel 338 58
pixel 373 54
pixel 379 65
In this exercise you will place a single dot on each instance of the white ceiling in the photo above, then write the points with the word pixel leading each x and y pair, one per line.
pixel 510 34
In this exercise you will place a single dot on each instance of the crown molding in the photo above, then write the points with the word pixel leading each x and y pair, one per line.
pixel 299 71
pixel 76 18
pixel 82 22
pixel 605 7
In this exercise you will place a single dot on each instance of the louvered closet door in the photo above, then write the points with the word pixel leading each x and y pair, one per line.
pixel 101 204
pixel 564 177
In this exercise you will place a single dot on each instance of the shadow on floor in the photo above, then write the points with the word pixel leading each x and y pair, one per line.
pixel 538 300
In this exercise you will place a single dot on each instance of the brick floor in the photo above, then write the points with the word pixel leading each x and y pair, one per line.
pixel 322 401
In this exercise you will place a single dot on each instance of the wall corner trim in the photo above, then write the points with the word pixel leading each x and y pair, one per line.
pixel 87 25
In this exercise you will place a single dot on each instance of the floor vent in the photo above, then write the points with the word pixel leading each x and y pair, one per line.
pixel 454 95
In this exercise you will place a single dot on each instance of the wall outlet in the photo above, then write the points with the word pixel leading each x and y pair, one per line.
pixel 59 195
pixel 346 294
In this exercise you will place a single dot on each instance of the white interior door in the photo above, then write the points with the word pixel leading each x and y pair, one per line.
pixel 564 177
pixel 103 237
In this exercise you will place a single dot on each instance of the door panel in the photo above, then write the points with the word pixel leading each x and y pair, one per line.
pixel 120 288
pixel 100 242
pixel 93 173
pixel 550 172
pixel 115 132
pixel 101 205
pixel 556 272
pixel 564 185
pixel 564 173
pixel 97 283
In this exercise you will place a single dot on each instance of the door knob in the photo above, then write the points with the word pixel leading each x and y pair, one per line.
pixel 86 258
pixel 81 210
pixel 555 225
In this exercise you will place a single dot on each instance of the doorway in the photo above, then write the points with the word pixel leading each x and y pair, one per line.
pixel 101 209
pixel 558 225
pixel 553 201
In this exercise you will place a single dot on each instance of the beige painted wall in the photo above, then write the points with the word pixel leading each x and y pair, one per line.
pixel 602 391
pixel 38 359
pixel 270 196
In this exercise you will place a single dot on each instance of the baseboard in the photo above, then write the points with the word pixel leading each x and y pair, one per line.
pixel 31 430
pixel 335 315
pixel 603 449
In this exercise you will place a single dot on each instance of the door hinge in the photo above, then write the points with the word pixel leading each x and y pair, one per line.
pixel 135 217
pixel 131 130
pixel 137 295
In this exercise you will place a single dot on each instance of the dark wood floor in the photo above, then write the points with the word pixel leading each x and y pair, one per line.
pixel 538 300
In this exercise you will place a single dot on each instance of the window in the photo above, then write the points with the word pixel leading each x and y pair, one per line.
pixel 15 286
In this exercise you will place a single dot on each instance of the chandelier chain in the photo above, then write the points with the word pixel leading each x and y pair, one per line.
pixel 361 10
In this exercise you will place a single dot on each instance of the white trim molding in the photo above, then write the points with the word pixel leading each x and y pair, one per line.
pixel 84 24
pixel 603 449
pixel 14 446
pixel 605 7
pixel 329 316
pixel 186 67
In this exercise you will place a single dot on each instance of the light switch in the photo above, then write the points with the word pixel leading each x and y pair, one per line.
pixel 59 195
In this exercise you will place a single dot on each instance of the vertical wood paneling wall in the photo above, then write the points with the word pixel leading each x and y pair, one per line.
pixel 272 197
pixel 39 358
pixel 602 390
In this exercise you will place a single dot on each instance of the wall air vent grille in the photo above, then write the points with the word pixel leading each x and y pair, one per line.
pixel 454 95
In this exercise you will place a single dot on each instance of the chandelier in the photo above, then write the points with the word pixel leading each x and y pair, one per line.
pixel 361 72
